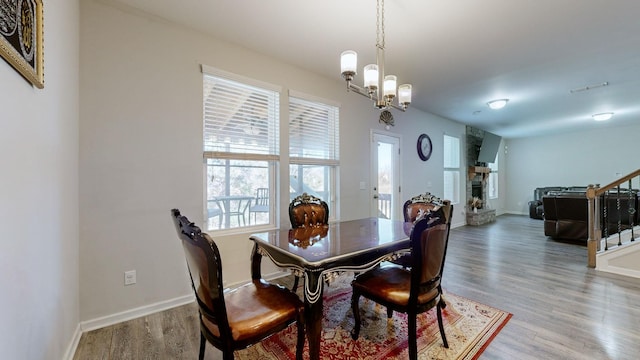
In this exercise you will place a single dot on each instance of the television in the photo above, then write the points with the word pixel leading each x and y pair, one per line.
pixel 489 148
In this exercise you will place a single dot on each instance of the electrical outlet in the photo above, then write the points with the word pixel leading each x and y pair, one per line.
pixel 129 277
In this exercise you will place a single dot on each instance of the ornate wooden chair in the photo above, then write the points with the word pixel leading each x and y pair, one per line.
pixel 234 319
pixel 307 211
pixel 413 209
pixel 418 205
pixel 414 291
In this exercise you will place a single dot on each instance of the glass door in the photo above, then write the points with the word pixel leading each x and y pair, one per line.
pixel 385 175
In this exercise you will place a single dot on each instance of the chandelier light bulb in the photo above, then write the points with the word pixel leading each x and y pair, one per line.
pixel 404 94
pixel 371 76
pixel 390 82
pixel 349 62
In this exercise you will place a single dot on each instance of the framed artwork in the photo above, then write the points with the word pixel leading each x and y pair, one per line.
pixel 21 38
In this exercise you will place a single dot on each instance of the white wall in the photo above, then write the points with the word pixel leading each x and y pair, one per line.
pixel 39 196
pixel 141 120
pixel 420 176
pixel 568 159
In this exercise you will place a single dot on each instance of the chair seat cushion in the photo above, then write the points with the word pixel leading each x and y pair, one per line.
pixel 389 284
pixel 257 306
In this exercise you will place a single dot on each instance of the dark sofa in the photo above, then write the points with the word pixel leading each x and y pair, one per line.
pixel 566 217
pixel 536 209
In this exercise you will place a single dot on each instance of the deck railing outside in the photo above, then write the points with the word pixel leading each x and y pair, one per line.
pixel 384 205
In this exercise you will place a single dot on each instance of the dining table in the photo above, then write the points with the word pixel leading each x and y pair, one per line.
pixel 321 254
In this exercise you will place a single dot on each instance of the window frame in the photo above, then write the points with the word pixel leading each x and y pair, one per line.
pixel 330 162
pixel 271 157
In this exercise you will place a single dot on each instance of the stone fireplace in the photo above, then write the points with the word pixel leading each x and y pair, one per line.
pixel 477 177
pixel 476 180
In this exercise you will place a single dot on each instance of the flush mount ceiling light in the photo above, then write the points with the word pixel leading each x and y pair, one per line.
pixel 602 116
pixel 497 104
pixel 378 87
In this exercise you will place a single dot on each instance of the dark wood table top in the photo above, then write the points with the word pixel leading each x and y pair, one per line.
pixel 338 242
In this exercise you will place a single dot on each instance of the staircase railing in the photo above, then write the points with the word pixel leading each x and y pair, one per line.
pixel 614 206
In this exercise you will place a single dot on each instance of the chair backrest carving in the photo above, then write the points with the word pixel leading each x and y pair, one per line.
pixel 307 210
pixel 419 205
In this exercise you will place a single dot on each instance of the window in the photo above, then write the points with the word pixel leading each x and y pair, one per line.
pixel 241 150
pixel 493 179
pixel 452 169
pixel 313 149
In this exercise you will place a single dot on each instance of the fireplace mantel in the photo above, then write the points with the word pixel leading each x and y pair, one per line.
pixel 481 171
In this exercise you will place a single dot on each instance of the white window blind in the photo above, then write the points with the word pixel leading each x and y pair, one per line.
pixel 239 119
pixel 313 132
pixel 241 150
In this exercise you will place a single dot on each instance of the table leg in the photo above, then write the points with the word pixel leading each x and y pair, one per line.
pixel 313 289
pixel 313 312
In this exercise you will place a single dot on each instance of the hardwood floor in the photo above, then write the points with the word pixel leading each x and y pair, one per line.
pixel 561 309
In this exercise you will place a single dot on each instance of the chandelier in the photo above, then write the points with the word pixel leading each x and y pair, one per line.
pixel 384 95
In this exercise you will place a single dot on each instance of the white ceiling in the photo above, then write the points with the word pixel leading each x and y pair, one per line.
pixel 457 54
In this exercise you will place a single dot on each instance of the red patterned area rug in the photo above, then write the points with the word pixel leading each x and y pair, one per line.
pixel 469 326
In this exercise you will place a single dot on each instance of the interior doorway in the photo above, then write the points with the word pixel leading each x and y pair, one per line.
pixel 385 175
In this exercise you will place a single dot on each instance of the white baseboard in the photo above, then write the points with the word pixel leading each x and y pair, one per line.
pixel 135 313
pixel 73 345
pixel 153 308
pixel 113 319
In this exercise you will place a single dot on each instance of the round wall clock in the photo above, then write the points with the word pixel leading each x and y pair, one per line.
pixel 424 147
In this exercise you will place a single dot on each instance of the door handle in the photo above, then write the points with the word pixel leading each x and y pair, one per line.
pixel 375 196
